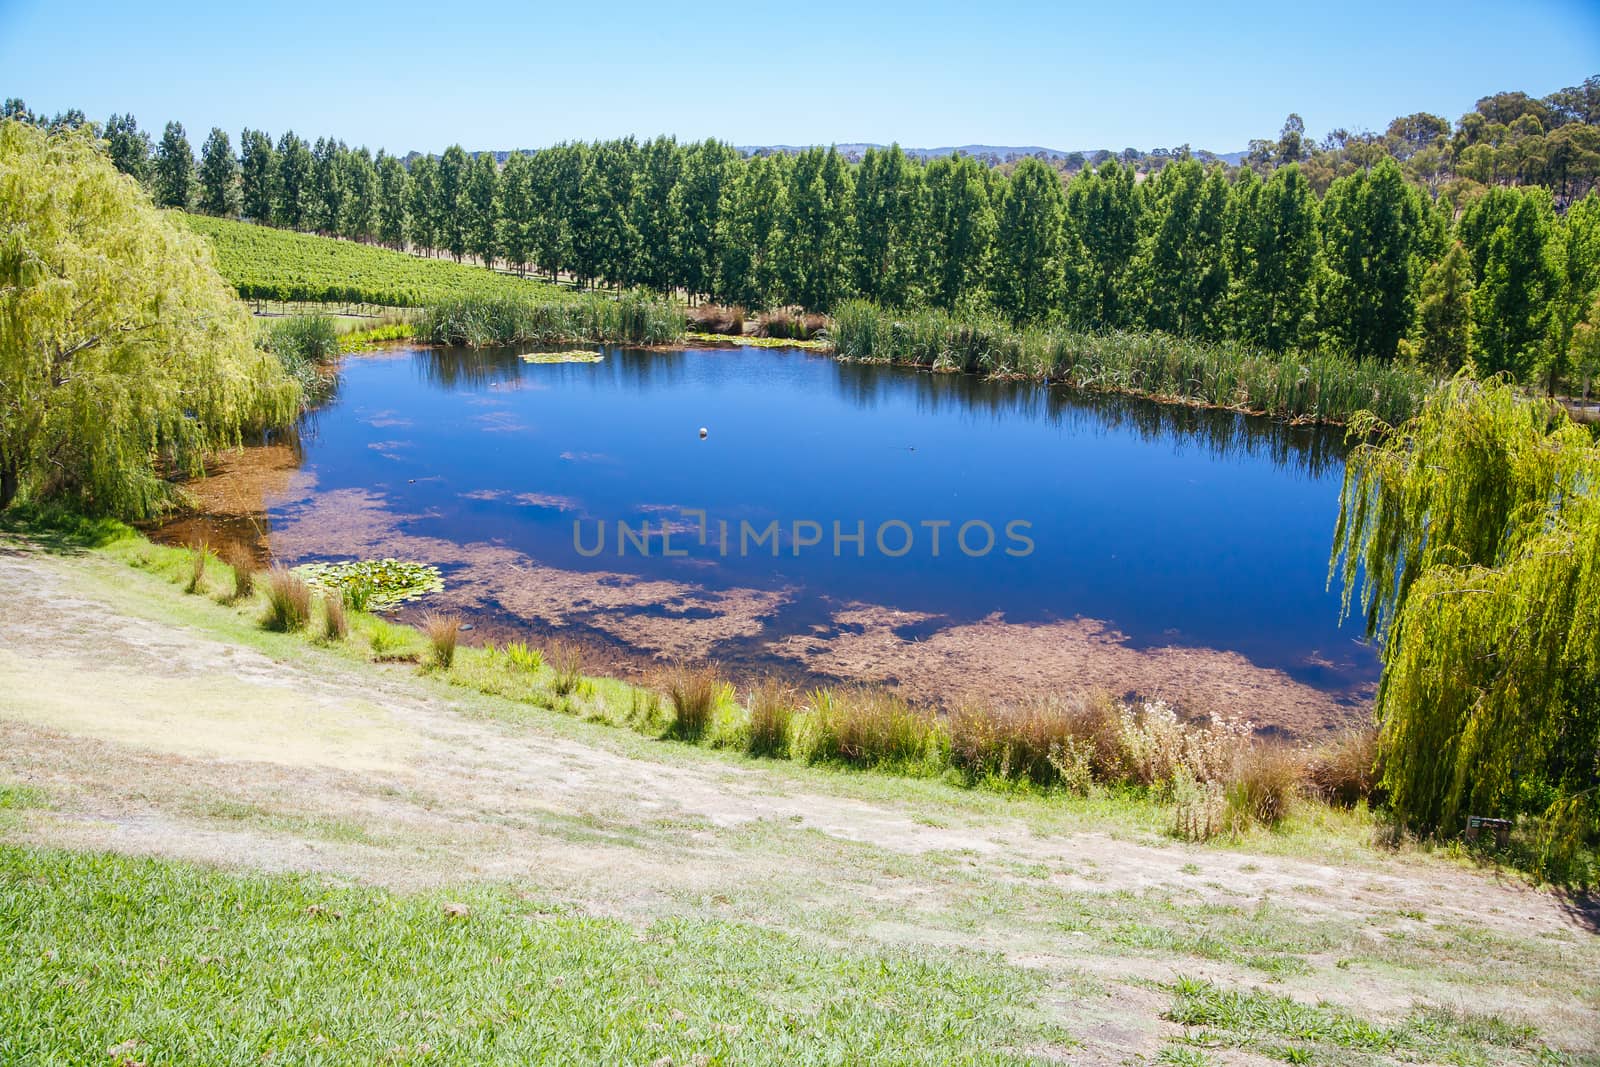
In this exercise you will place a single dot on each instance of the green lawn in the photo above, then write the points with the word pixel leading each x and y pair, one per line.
pixel 167 962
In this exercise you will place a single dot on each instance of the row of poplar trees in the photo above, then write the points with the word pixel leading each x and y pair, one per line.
pixel 1375 267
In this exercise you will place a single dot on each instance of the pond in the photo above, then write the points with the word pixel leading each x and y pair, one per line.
pixel 957 537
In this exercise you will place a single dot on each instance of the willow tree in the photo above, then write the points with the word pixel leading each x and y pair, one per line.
pixel 1473 536
pixel 122 353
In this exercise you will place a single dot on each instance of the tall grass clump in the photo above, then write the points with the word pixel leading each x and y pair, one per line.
pixel 1263 785
pixel 303 344
pixel 771 713
pixel 243 564
pixel 1310 387
pixel 288 601
pixel 566 666
pixel 791 323
pixel 1344 770
pixel 694 691
pixel 197 568
pixel 632 318
pixel 716 318
pixel 335 623
pixel 443 631
pixel 865 727
pixel 1071 743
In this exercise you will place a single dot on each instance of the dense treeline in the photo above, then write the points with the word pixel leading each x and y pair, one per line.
pixel 1375 266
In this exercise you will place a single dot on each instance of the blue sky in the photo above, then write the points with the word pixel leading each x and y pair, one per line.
pixel 404 75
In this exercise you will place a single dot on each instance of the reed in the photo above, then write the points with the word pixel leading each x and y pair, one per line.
pixel 243 564
pixel 632 318
pixel 874 728
pixel 197 568
pixel 443 631
pixel 771 708
pixel 1305 387
pixel 694 691
pixel 566 663
pixel 288 600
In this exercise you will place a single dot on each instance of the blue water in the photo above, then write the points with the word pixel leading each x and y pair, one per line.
pixel 1173 525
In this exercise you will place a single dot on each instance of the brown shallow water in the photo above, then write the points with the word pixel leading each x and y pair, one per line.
pixel 271 498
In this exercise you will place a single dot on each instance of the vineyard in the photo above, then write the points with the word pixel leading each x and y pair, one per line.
pixel 270 264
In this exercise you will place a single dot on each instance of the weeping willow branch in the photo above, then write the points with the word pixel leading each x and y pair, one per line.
pixel 1472 535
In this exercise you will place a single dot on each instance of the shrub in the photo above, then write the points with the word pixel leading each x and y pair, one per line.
pixel 771 712
pixel 197 568
pixel 335 624
pixel 566 661
pixel 1061 742
pixel 1344 770
pixel 1155 745
pixel 1197 807
pixel 716 318
pixel 872 727
pixel 524 658
pixel 694 692
pixel 288 600
pixel 243 564
pixel 442 631
pixel 1263 786
pixel 791 323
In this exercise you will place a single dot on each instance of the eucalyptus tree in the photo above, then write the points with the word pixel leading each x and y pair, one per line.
pixel 696 235
pixel 258 173
pixel 121 350
pixel 1372 227
pixel 174 169
pixel 1028 241
pixel 480 209
pixel 1101 238
pixel 448 192
pixel 958 228
pixel 392 194
pixel 219 176
pixel 128 146
pixel 292 207
pixel 422 196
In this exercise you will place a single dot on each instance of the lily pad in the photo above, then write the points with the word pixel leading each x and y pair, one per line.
pixel 374 584
pixel 576 356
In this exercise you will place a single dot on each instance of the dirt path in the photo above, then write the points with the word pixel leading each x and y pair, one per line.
pixel 148 736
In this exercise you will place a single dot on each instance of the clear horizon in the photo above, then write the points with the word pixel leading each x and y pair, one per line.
pixel 926 77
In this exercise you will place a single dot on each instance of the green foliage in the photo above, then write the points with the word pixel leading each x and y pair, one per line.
pixel 267 264
pixel 121 351
pixel 1317 387
pixel 637 317
pixel 1473 534
pixel 167 962
pixel 374 584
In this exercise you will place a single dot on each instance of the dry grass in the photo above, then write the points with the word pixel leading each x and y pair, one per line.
pixel 694 691
pixel 791 323
pixel 1344 770
pixel 335 623
pixel 873 728
pixel 443 631
pixel 566 665
pixel 771 711
pixel 288 600
pixel 716 318
pixel 1264 784
pixel 1050 742
pixel 197 568
pixel 243 564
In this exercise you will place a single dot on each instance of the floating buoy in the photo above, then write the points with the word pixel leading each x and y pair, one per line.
pixel 702 431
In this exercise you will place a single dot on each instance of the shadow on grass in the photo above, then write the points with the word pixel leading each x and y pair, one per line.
pixel 57 531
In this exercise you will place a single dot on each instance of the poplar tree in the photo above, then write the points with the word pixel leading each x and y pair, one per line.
pixel 517 211
pixel 293 187
pixel 480 206
pixel 448 191
pixel 219 176
pixel 258 168
pixel 1278 249
pixel 1371 227
pixel 958 229
pixel 1102 235
pixel 422 222
pixel 393 194
pixel 750 225
pixel 1444 312
pixel 1510 309
pixel 1028 242
pixel 174 170
pixel 128 146
pixel 696 233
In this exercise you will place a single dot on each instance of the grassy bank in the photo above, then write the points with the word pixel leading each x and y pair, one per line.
pixel 1295 386
pixel 633 318
pixel 158 962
